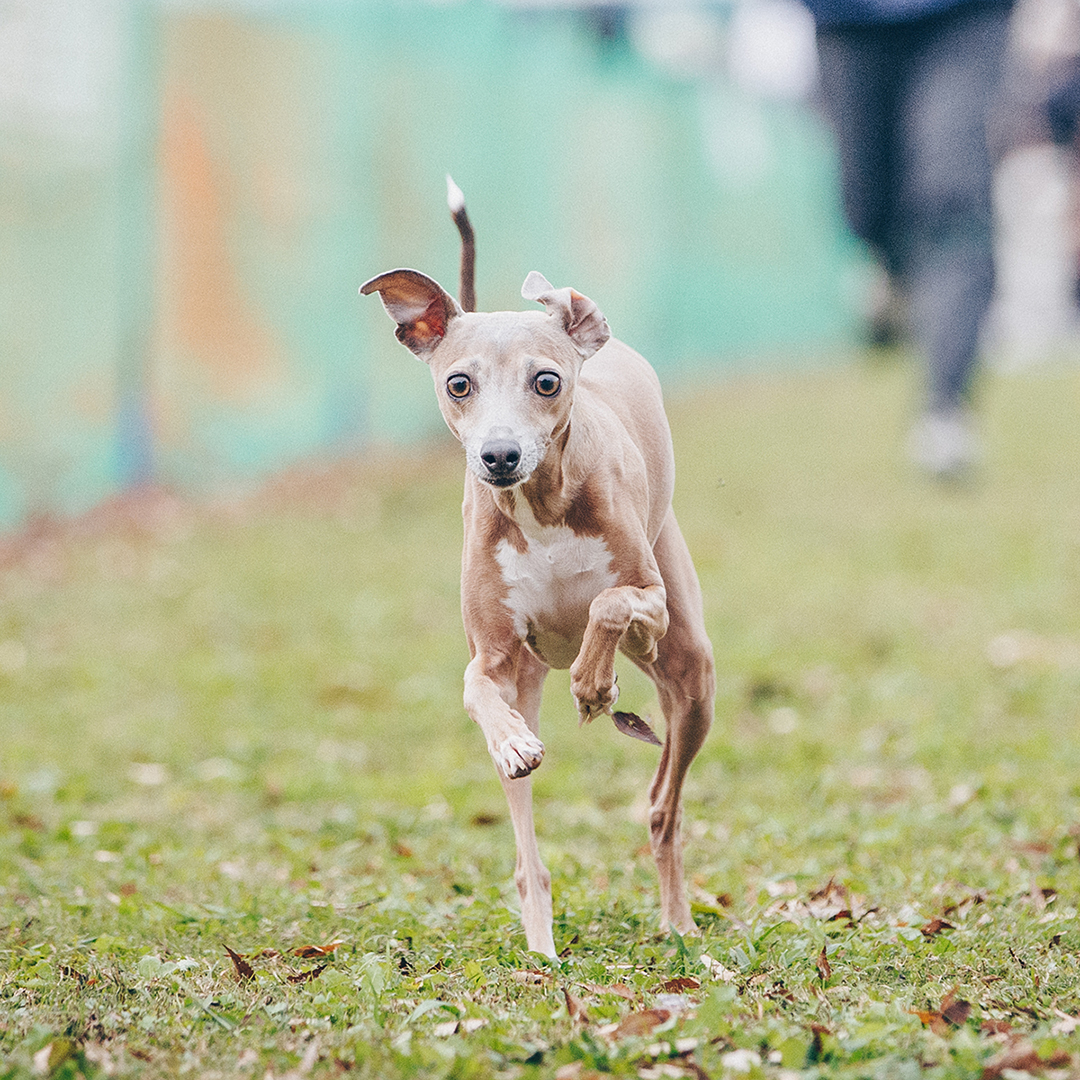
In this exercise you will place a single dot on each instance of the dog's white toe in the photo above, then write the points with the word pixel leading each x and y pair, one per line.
pixel 518 755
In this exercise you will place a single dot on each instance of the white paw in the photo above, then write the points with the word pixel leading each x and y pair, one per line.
pixel 518 755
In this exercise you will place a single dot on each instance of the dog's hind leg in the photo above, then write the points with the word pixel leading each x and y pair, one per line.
pixel 530 875
pixel 686 684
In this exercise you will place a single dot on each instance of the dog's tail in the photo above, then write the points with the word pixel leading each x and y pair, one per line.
pixel 456 200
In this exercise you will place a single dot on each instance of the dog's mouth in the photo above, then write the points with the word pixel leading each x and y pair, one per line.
pixel 502 481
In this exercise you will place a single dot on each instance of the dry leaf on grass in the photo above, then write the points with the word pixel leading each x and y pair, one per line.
pixel 955 1009
pixel 1021 1056
pixel 243 969
pixel 953 1012
pixel 823 966
pixel 306 976
pixel 310 952
pixel 934 927
pixel 575 1008
pixel 641 1023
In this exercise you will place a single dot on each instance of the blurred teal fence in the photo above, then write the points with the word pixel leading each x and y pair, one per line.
pixel 190 194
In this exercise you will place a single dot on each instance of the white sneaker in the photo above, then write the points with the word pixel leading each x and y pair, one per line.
pixel 944 444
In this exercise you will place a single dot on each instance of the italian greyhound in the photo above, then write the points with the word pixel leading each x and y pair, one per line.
pixel 572 551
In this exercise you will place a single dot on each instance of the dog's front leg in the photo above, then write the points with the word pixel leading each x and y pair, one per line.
pixel 622 616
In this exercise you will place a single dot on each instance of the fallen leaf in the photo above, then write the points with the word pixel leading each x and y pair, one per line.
pixel 934 927
pixel 403 850
pixel 306 976
pixel 310 952
pixel 243 969
pixel 956 1012
pixel 998 1027
pixel 828 901
pixel 641 1023
pixel 953 1012
pixel 575 1008
pixel 631 724
pixel 823 966
pixel 1021 1056
pixel 932 1020
pixel 681 984
pixel 817 1043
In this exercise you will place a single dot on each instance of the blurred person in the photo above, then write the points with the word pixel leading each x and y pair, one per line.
pixel 1062 67
pixel 1063 115
pixel 908 86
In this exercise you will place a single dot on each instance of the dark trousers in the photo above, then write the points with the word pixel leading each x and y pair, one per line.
pixel 910 105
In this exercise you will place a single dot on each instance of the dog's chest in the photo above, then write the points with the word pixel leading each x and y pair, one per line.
pixel 550 587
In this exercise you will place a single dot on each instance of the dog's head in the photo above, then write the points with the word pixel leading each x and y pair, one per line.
pixel 505 379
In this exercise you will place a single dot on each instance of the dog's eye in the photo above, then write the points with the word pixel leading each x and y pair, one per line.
pixel 547 383
pixel 458 386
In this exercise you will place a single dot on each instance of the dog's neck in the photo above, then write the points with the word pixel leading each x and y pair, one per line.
pixel 548 497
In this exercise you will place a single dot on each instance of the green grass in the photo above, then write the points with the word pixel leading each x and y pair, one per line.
pixel 240 727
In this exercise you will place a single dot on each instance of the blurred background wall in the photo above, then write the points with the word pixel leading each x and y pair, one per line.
pixel 192 190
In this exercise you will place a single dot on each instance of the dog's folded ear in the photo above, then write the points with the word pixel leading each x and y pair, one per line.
pixel 421 307
pixel 581 318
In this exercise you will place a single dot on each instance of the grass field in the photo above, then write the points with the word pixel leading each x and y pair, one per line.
pixel 240 728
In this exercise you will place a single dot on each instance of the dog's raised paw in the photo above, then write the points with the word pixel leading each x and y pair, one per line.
pixel 595 702
pixel 518 755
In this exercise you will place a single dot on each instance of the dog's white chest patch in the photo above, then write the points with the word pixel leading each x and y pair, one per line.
pixel 551 585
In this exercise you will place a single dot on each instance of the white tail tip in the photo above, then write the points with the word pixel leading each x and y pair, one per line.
pixel 455 197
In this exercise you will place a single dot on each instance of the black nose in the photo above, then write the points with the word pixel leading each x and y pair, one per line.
pixel 501 457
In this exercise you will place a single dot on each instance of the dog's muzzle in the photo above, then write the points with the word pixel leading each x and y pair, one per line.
pixel 501 459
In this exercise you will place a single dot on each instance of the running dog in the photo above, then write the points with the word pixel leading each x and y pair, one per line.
pixel 571 551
